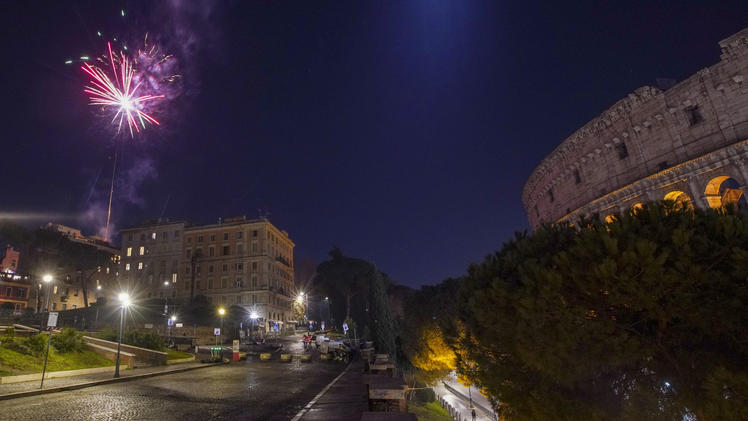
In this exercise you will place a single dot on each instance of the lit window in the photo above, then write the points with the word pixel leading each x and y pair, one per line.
pixel 140 265
pixel 142 250
pixel 54 291
pixel 127 266
pixel 153 236
pixel 129 251
pixel 107 270
pixel 173 278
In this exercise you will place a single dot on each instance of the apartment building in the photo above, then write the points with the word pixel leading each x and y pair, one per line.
pixel 240 261
pixel 150 259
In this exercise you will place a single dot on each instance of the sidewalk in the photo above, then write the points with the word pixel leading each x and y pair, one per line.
pixel 8 391
pixel 450 393
pixel 344 399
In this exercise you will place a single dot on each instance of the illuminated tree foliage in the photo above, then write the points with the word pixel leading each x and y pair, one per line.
pixel 427 312
pixel 643 318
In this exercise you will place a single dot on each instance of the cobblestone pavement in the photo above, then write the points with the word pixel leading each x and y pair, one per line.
pixel 248 390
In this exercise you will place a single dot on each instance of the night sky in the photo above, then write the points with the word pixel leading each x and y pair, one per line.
pixel 401 131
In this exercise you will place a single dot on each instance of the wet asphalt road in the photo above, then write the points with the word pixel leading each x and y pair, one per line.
pixel 248 390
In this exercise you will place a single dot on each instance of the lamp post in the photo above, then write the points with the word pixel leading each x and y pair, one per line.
pixel 124 301
pixel 47 280
pixel 329 316
pixel 221 312
pixel 253 316
pixel 173 319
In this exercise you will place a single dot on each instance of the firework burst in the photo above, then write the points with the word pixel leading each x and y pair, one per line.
pixel 122 92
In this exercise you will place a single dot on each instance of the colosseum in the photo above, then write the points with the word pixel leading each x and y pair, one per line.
pixel 687 143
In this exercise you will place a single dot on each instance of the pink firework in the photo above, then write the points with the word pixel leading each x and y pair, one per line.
pixel 120 94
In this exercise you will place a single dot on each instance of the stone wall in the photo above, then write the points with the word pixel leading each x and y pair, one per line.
pixel 649 144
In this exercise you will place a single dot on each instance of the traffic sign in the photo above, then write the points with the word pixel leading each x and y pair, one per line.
pixel 216 331
pixel 52 321
pixel 170 322
pixel 345 327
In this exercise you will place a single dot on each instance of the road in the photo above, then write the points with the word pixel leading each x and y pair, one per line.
pixel 248 390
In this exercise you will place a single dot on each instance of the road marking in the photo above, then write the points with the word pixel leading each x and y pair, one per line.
pixel 319 395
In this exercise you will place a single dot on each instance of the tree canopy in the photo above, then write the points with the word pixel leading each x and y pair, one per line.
pixel 641 318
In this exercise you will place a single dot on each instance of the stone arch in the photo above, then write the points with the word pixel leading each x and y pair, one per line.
pixel 680 198
pixel 722 190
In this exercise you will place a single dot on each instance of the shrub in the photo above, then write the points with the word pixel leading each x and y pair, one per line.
pixel 108 334
pixel 15 345
pixel 10 331
pixel 424 395
pixel 148 340
pixel 35 345
pixel 69 340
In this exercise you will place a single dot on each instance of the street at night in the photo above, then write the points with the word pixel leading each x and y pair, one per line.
pixel 247 390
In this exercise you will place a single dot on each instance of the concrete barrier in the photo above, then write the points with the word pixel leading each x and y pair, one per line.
pixel 143 357
pixel 325 356
pixel 265 356
pixel 125 358
pixel 306 358
pixel 286 358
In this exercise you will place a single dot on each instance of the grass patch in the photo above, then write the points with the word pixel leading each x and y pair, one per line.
pixel 15 363
pixel 176 355
pixel 429 411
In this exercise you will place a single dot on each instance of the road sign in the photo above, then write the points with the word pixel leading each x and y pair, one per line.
pixel 149 325
pixel 179 325
pixel 323 326
pixel 275 327
pixel 52 321
pixel 170 322
pixel 216 331
pixel 345 327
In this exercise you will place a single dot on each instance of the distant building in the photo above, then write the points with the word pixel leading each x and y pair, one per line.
pixel 14 289
pixel 245 262
pixel 74 234
pixel 9 264
pixel 150 258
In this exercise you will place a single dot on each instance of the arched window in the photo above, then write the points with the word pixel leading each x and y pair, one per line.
pixel 636 207
pixel 723 190
pixel 680 198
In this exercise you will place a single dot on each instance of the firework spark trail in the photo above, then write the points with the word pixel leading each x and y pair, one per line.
pixel 120 94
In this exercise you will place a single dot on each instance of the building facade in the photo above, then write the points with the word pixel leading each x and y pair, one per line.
pixel 9 263
pixel 14 291
pixel 239 261
pixel 150 259
pixel 687 143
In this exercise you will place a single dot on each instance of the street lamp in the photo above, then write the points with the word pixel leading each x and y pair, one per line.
pixel 221 312
pixel 124 301
pixel 48 280
pixel 253 316
pixel 173 319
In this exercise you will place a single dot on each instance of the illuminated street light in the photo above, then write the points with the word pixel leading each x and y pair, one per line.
pixel 221 312
pixel 47 280
pixel 124 300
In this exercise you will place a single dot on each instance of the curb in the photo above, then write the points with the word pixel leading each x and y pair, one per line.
pixel 99 382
